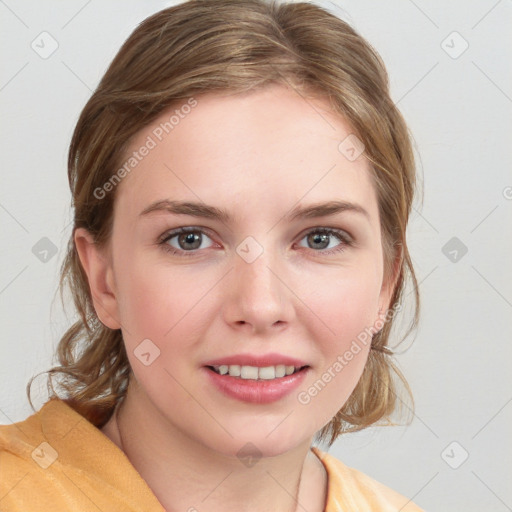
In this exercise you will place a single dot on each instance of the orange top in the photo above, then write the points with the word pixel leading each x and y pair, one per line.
pixel 57 460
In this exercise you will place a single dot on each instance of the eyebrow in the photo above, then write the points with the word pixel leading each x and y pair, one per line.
pixel 212 212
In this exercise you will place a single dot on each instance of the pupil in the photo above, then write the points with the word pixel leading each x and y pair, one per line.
pixel 191 238
pixel 320 239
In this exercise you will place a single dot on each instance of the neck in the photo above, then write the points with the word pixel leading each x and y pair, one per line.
pixel 186 475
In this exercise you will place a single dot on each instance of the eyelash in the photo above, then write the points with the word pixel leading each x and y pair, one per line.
pixel 341 235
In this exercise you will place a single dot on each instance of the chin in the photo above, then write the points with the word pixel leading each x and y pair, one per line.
pixel 259 439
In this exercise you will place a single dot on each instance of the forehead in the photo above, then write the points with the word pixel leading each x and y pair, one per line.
pixel 272 146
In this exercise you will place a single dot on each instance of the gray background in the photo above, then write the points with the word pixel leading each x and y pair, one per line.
pixel 458 105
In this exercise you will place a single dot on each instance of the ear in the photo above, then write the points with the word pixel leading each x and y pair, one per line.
pixel 388 286
pixel 97 264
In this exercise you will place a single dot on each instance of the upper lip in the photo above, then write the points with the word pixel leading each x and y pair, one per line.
pixel 262 360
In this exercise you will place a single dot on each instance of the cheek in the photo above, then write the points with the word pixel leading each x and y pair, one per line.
pixel 144 301
pixel 170 307
pixel 346 305
pixel 348 309
pixel 160 306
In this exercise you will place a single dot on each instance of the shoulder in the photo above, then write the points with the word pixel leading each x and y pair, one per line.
pixel 18 440
pixel 53 436
pixel 350 489
pixel 57 460
pixel 18 458
pixel 32 457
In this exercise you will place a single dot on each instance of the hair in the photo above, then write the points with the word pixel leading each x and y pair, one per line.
pixel 202 46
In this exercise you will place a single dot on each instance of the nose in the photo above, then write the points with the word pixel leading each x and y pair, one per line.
pixel 258 300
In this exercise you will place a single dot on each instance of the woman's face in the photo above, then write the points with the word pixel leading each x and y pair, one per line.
pixel 259 286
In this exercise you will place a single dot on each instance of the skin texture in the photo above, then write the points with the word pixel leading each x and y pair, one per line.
pixel 257 156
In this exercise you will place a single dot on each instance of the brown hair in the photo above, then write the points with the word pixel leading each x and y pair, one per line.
pixel 201 46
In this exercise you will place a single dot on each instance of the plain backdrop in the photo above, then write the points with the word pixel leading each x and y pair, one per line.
pixel 450 74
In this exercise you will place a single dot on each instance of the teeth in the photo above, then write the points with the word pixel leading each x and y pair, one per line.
pixel 289 370
pixel 234 370
pixel 281 370
pixel 267 373
pixel 249 372
pixel 255 372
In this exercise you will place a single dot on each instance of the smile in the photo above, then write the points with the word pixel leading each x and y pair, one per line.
pixel 256 372
pixel 256 384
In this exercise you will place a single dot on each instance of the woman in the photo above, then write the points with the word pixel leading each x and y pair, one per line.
pixel 241 182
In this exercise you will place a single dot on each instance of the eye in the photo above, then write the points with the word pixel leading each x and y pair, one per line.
pixel 184 241
pixel 325 238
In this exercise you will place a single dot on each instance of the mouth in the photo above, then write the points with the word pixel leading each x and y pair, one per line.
pixel 256 378
pixel 256 373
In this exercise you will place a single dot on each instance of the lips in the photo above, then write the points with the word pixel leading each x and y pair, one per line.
pixel 255 372
pixel 257 379
pixel 271 359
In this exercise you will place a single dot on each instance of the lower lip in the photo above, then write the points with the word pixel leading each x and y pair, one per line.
pixel 256 391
